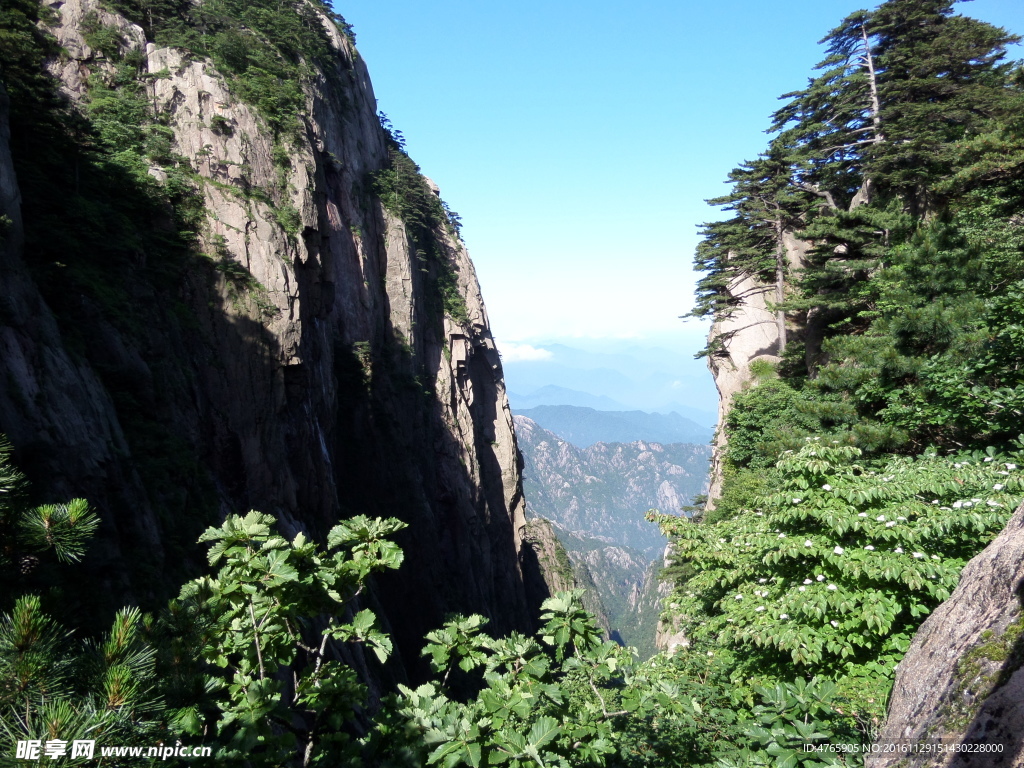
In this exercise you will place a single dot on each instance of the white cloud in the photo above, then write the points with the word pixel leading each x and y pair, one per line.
pixel 517 353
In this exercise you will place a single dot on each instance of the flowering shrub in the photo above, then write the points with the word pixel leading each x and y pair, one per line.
pixel 832 575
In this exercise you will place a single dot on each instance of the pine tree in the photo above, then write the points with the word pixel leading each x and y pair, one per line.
pixel 942 79
pixel 767 204
pixel 53 686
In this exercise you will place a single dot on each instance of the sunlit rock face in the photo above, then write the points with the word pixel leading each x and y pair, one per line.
pixel 303 363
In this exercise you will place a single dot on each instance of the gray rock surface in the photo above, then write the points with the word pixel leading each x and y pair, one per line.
pixel 330 383
pixel 961 684
pixel 748 334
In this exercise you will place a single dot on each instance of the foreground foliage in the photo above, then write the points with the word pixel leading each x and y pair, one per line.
pixel 832 573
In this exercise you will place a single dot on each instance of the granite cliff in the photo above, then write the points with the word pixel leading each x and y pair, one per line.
pixel 309 349
pixel 753 331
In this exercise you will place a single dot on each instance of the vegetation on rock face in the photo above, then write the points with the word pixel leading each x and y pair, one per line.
pixel 407 194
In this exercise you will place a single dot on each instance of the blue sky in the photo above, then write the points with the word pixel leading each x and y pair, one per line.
pixel 579 140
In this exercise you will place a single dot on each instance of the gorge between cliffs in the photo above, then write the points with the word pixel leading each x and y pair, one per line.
pixel 263 495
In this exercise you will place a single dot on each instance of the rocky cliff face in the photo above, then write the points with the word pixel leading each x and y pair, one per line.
pixel 304 359
pixel 960 684
pixel 752 332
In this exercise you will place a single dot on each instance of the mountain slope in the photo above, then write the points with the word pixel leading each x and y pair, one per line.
pixel 605 490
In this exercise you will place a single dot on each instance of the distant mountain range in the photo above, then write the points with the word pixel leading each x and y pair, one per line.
pixel 585 426
pixel 597 498
pixel 555 395
pixel 618 376
pixel 552 394
pixel 604 490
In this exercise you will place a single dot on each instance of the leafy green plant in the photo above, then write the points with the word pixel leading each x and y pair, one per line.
pixel 277 606
pixel 532 703
pixel 793 717
pixel 831 574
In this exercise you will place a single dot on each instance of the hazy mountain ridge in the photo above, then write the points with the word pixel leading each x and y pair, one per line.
pixel 636 374
pixel 586 426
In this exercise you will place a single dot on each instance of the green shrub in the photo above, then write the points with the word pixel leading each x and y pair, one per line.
pixel 832 573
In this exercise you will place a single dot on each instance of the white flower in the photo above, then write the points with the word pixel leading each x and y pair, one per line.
pixel 902 518
pixel 808 543
pixel 783 615
pixel 957 504
pixel 802 589
pixel 935 557
pixel 761 581
pixel 998 487
pixel 993 503
pixel 880 518
pixel 711 653
pixel 918 555
pixel 1002 472
pixel 808 581
pixel 832 587
pixel 834 623
pixel 968 504
pixel 1010 466
pixel 988 458
pixel 863 514
pixel 890 524
pixel 826 487
pixel 759 608
pixel 898 550
pixel 760 514
pixel 957 465
pixel 739 597
pixel 839 550
pixel 935 501
pixel 869 548
pixel 721 541
pixel 821 578
pixel 797 501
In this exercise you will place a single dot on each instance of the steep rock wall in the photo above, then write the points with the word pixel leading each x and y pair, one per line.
pixel 310 371
pixel 751 332
pixel 961 681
